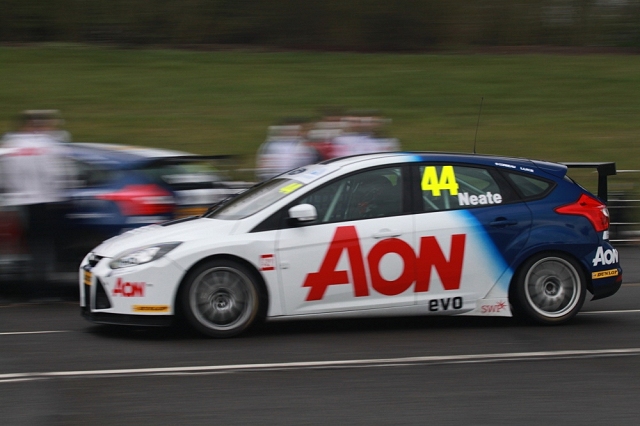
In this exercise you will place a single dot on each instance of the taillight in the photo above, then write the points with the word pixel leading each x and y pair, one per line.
pixel 591 208
pixel 141 200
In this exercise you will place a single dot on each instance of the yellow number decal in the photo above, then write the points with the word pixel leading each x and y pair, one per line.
pixel 447 180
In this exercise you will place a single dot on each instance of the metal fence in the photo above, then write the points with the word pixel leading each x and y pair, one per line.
pixel 624 207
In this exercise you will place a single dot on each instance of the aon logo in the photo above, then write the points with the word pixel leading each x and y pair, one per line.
pixel 605 257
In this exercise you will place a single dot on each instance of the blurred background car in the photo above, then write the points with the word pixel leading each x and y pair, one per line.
pixel 118 188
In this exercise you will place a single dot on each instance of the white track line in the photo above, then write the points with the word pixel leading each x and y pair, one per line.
pixel 17 333
pixel 357 363
pixel 622 311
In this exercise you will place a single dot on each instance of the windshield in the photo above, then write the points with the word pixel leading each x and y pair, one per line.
pixel 259 197
pixel 256 199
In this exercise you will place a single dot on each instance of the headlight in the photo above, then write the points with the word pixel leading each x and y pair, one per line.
pixel 142 255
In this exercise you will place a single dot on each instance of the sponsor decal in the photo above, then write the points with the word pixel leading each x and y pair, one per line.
pixel 605 257
pixel 494 308
pixel 526 169
pixel 297 171
pixel 464 199
pixel 510 166
pixel 604 274
pixel 290 188
pixel 318 172
pixel 127 289
pixel 87 278
pixel 417 269
pixel 190 211
pixel 450 303
pixel 267 262
pixel 446 180
pixel 150 308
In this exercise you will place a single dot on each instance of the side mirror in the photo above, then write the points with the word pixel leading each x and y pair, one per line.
pixel 303 213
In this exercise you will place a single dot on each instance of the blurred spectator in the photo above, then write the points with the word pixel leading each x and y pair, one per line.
pixel 34 173
pixel 322 135
pixel 295 142
pixel 363 134
pixel 284 149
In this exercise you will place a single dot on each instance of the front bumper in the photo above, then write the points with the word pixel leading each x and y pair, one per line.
pixel 140 295
pixel 120 319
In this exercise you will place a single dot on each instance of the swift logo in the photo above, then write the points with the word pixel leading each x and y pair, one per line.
pixel 417 269
pixel 493 309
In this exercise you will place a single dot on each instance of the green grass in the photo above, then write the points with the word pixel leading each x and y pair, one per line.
pixel 559 108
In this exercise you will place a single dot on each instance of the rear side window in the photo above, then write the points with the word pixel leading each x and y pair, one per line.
pixel 530 187
pixel 88 174
pixel 452 187
pixel 190 175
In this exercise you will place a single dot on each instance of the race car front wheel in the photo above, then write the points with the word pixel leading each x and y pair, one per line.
pixel 549 288
pixel 221 298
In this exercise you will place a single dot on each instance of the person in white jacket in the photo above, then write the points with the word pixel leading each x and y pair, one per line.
pixel 34 173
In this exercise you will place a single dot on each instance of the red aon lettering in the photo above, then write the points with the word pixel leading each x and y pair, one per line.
pixel 416 269
pixel 127 289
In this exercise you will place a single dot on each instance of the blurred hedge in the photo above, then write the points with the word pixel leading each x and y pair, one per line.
pixel 363 25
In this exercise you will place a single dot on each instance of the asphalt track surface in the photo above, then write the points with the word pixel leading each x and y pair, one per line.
pixel 58 369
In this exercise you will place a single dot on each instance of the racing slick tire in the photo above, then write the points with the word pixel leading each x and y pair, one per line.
pixel 222 298
pixel 549 288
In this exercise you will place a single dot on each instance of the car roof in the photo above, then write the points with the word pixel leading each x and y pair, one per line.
pixel 509 163
pixel 120 156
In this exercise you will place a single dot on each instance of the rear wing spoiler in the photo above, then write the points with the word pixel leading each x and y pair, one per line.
pixel 604 170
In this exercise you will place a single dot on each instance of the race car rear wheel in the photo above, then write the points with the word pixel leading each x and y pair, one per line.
pixel 550 288
pixel 221 298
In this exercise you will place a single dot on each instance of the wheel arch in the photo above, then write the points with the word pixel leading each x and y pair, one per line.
pixel 549 251
pixel 515 297
pixel 264 294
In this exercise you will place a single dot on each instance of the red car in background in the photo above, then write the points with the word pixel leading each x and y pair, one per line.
pixel 118 188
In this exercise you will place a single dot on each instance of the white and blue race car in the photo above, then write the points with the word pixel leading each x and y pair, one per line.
pixel 369 235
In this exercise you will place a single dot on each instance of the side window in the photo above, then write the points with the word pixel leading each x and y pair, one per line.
pixel 370 194
pixel 91 175
pixel 529 186
pixel 449 187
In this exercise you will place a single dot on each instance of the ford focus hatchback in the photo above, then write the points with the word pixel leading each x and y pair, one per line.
pixel 370 235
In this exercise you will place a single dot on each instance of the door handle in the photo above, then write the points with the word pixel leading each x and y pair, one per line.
pixel 501 222
pixel 387 233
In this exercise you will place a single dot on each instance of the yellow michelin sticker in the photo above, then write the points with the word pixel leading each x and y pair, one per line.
pixel 446 180
pixel 151 308
pixel 604 274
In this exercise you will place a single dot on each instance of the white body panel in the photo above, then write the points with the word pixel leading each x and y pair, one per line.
pixel 301 251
